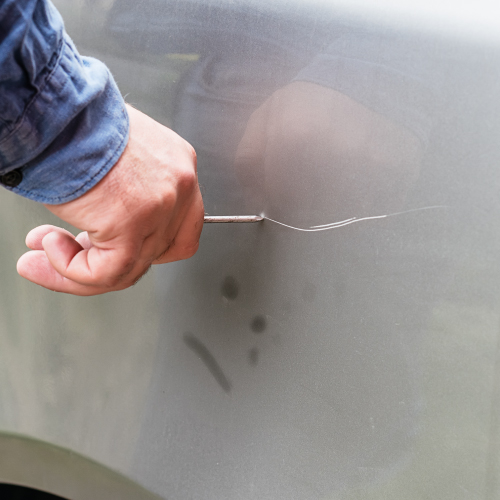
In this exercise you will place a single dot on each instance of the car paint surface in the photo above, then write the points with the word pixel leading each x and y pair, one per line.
pixel 357 363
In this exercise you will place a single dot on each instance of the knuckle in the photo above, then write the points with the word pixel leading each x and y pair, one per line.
pixel 188 153
pixel 192 153
pixel 168 201
pixel 164 252
pixel 188 251
pixel 187 181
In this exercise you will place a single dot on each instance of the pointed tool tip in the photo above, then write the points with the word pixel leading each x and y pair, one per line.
pixel 233 218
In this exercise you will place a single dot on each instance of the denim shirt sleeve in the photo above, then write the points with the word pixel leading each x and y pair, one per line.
pixel 63 122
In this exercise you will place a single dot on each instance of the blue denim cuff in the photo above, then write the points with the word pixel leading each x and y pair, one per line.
pixel 71 134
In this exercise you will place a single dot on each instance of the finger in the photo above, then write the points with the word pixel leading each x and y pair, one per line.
pixel 36 267
pixel 61 249
pixel 94 266
pixel 35 236
pixel 84 240
pixel 186 241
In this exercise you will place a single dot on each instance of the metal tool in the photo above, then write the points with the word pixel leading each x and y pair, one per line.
pixel 233 218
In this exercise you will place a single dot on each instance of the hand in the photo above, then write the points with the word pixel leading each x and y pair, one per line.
pixel 146 210
pixel 311 155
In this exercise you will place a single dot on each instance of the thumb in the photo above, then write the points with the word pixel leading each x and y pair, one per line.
pixel 61 249
pixel 92 266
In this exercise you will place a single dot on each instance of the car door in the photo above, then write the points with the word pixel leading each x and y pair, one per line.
pixel 344 347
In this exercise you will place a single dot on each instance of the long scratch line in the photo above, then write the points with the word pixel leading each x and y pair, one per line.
pixel 352 220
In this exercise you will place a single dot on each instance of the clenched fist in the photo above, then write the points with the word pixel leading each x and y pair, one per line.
pixel 147 210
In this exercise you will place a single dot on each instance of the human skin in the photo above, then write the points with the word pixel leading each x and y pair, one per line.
pixel 147 210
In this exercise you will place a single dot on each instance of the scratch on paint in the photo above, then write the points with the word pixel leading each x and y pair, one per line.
pixel 352 220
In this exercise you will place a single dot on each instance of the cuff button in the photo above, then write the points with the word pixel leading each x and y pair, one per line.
pixel 12 178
